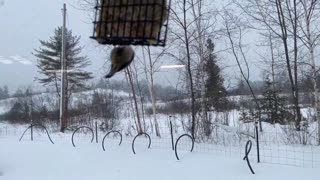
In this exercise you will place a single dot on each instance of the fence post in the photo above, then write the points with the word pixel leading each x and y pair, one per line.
pixel 171 133
pixel 96 132
pixel 31 131
pixel 257 141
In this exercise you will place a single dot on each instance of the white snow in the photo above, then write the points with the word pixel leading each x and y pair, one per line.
pixel 41 160
pixel 218 159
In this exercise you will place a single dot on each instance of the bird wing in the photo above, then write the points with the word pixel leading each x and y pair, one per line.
pixel 124 65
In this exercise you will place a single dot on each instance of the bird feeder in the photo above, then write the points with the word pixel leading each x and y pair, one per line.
pixel 131 22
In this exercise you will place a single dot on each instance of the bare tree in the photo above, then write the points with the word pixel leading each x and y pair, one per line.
pixel 135 73
pixel 310 38
pixel 201 35
pixel 281 17
pixel 131 83
pixel 151 67
pixel 193 25
pixel 234 30
pixel 179 10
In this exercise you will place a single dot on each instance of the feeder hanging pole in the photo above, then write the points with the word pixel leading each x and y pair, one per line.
pixel 63 73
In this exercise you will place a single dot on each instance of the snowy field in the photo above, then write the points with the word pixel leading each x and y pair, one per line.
pixel 219 158
pixel 41 160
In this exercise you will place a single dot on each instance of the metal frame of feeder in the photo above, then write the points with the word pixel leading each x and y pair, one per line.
pixel 107 35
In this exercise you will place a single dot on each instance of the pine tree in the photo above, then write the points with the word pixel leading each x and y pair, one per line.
pixel 272 105
pixel 49 63
pixel 4 92
pixel 1 93
pixel 215 90
pixel 245 116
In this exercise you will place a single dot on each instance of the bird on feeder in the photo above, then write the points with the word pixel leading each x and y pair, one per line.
pixel 129 22
pixel 121 57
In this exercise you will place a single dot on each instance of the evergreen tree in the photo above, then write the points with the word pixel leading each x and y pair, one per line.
pixel 49 63
pixel 272 105
pixel 246 116
pixel 1 93
pixel 4 92
pixel 215 90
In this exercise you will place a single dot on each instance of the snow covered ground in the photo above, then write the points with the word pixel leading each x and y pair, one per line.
pixel 218 158
pixel 40 160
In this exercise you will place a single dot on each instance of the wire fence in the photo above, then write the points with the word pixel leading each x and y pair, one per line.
pixel 223 142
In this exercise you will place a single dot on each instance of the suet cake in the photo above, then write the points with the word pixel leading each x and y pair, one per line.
pixel 132 19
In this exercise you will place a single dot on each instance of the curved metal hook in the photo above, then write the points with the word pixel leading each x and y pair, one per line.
pixel 117 132
pixel 134 152
pixel 176 145
pixel 246 157
pixel 25 132
pixel 39 125
pixel 80 128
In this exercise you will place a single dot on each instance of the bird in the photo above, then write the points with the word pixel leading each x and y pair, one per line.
pixel 121 57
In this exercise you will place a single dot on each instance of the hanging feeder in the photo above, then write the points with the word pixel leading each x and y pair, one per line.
pixel 131 22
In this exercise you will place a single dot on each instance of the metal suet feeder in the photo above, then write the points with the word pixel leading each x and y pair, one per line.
pixel 131 22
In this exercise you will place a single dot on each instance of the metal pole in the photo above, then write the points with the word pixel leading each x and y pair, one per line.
pixel 96 132
pixel 257 141
pixel 171 131
pixel 63 73
pixel 31 132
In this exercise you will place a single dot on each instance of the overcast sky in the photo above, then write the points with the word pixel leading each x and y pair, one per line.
pixel 25 22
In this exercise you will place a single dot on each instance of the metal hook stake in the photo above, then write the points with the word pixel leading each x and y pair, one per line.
pixel 175 148
pixel 77 130
pixel 116 132
pixel 134 152
pixel 246 157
